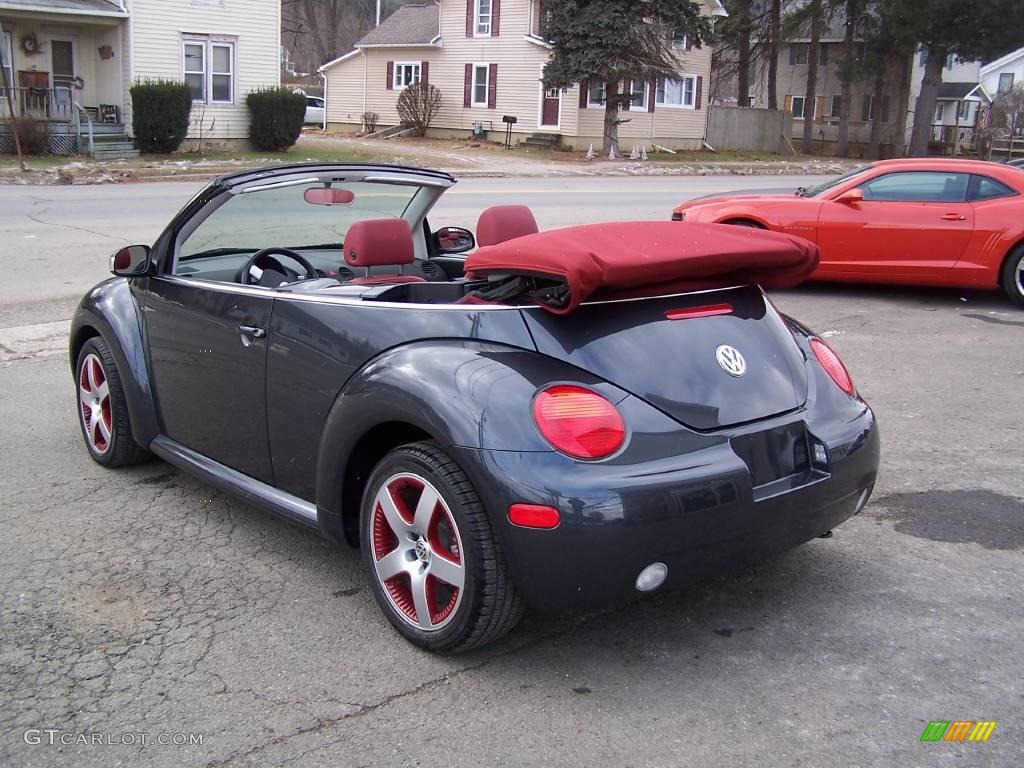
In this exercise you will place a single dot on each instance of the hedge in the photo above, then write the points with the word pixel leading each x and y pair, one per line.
pixel 276 115
pixel 160 113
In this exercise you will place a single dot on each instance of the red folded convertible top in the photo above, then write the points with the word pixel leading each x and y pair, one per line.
pixel 645 258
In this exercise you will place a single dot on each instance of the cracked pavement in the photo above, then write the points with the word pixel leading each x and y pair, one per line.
pixel 144 602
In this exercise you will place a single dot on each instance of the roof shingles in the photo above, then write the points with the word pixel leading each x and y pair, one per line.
pixel 413 24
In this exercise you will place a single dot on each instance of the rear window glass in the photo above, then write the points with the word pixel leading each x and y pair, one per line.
pixel 985 188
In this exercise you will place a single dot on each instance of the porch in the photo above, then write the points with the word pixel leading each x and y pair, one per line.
pixel 65 64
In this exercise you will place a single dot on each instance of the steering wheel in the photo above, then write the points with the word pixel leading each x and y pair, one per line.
pixel 272 271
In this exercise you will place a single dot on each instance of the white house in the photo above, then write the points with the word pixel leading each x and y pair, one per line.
pixel 487 57
pixel 1003 74
pixel 72 62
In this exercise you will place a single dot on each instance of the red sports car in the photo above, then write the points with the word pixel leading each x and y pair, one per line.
pixel 919 222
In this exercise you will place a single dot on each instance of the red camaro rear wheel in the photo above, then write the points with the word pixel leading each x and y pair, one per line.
pixel 1012 278
pixel 436 568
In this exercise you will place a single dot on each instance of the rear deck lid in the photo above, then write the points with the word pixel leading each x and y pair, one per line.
pixel 709 360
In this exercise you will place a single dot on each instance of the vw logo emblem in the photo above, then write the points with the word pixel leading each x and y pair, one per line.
pixel 731 360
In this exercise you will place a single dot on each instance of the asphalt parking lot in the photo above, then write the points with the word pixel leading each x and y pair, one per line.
pixel 141 607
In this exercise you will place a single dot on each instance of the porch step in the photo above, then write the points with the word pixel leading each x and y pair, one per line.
pixel 541 141
pixel 114 148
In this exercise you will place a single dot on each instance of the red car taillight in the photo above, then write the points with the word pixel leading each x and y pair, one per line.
pixel 833 365
pixel 578 422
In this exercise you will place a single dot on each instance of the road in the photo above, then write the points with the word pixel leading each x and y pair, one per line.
pixel 142 603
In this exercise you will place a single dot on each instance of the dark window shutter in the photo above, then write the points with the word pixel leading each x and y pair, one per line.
pixel 700 87
pixel 687 43
pixel 492 87
pixel 495 17
pixel 470 20
pixel 468 88
pixel 391 76
pixel 425 72
pixel 652 92
pixel 584 91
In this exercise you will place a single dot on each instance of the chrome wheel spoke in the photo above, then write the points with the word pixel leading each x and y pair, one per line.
pixel 102 428
pixel 420 599
pixel 445 570
pixel 387 504
pixel 94 374
pixel 425 509
pixel 391 564
pixel 103 391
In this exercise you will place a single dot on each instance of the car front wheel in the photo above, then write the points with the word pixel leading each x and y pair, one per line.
pixel 102 411
pixel 437 570
pixel 1012 279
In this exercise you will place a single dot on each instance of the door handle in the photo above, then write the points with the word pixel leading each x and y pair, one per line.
pixel 250 333
pixel 953 217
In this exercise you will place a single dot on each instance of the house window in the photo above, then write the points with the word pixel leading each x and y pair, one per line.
pixel 678 40
pixel 797 54
pixel 837 106
pixel 480 83
pixel 1005 83
pixel 949 61
pixel 7 54
pixel 798 107
pixel 483 18
pixel 965 110
pixel 823 55
pixel 208 66
pixel 406 73
pixel 940 112
pixel 867 108
pixel 596 95
pixel 677 93
pixel 638 96
pixel 860 52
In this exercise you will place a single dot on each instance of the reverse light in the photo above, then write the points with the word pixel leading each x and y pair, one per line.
pixel 578 422
pixel 534 516
pixel 833 365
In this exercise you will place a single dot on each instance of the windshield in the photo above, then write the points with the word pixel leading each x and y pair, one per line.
pixel 282 217
pixel 832 183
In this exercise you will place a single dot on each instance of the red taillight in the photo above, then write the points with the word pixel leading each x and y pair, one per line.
pixel 534 516
pixel 578 422
pixel 833 365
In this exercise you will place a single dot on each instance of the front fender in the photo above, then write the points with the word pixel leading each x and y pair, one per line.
pixel 463 394
pixel 109 310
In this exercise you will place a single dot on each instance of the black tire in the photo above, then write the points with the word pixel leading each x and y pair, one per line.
pixel 744 223
pixel 1012 277
pixel 104 411
pixel 487 606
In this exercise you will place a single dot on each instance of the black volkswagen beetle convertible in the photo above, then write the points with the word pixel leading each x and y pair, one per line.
pixel 558 421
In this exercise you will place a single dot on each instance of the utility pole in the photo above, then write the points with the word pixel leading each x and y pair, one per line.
pixel 10 101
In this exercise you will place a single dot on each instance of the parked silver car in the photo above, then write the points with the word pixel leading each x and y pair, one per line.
pixel 314 110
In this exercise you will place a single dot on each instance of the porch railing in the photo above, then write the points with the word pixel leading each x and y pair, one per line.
pixel 54 104
pixel 79 114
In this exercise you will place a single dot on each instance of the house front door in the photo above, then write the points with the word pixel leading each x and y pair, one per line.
pixel 63 63
pixel 551 108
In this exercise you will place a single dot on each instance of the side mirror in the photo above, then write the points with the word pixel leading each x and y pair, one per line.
pixel 850 197
pixel 131 261
pixel 454 240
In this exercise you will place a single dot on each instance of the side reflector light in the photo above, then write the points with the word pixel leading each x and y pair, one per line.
pixel 693 312
pixel 578 422
pixel 534 516
pixel 833 365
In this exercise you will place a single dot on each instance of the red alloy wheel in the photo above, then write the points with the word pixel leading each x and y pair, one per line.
pixel 417 551
pixel 94 404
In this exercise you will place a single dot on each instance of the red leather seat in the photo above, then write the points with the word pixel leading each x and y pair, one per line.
pixel 380 243
pixel 504 222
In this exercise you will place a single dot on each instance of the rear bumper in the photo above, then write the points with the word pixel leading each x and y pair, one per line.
pixel 698 512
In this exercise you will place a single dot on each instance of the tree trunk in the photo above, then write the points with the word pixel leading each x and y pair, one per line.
pixel 611 119
pixel 902 100
pixel 925 108
pixel 877 97
pixel 849 56
pixel 812 78
pixel 743 34
pixel 774 36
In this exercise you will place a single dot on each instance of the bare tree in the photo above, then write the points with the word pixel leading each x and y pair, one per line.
pixel 418 105
pixel 848 72
pixel 774 42
pixel 816 18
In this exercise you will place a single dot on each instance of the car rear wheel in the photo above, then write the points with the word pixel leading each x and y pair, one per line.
pixel 1012 279
pixel 437 570
pixel 102 411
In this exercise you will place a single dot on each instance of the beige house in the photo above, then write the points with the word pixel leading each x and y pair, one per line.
pixel 487 58
pixel 72 63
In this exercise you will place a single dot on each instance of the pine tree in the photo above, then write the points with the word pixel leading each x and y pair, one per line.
pixel 613 42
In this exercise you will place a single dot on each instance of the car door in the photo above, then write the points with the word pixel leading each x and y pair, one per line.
pixel 912 224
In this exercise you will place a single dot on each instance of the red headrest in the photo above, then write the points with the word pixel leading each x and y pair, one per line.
pixel 504 222
pixel 379 243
